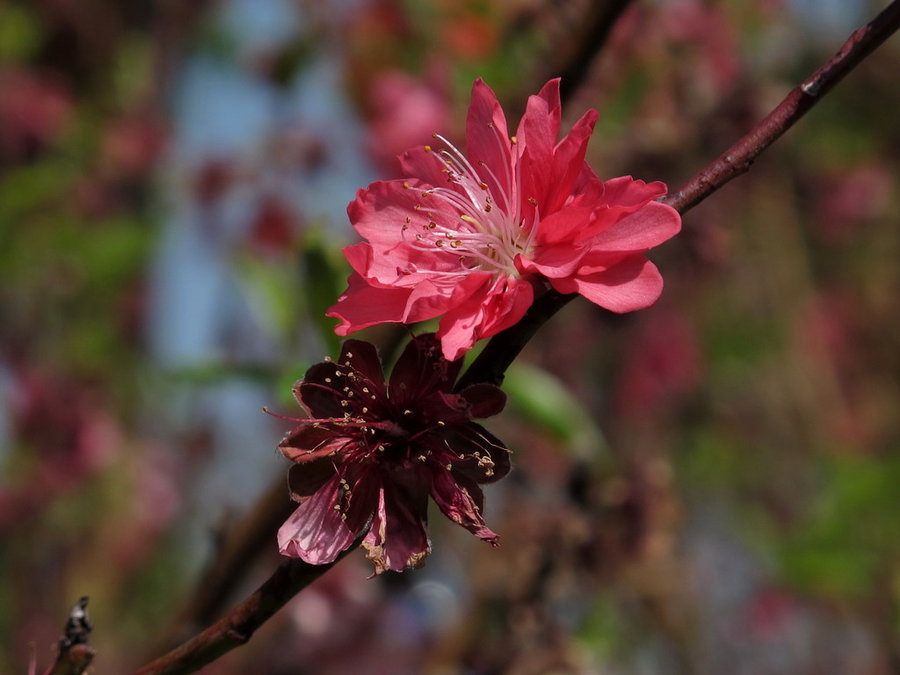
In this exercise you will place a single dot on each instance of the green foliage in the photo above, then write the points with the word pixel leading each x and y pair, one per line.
pixel 548 406
pixel 851 533
pixel 20 33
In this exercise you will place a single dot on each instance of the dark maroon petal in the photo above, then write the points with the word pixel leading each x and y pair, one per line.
pixel 362 485
pixel 319 391
pixel 477 453
pixel 422 370
pixel 398 539
pixel 461 503
pixel 310 441
pixel 362 358
pixel 485 400
pixel 316 532
pixel 306 479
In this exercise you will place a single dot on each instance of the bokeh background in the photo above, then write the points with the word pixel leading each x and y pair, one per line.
pixel 708 486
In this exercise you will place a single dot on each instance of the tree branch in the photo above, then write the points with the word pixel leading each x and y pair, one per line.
pixel 238 626
pixel 598 24
pixel 74 653
pixel 739 157
pixel 246 540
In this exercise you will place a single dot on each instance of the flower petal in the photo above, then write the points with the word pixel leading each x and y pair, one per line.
pixel 363 305
pixel 478 454
pixel 363 358
pixel 310 442
pixel 430 299
pixel 304 480
pixel 420 371
pixel 317 394
pixel 487 141
pixel 398 539
pixel 485 313
pixel 460 503
pixel 315 532
pixel 568 162
pixel 554 261
pixel 641 230
pixel 423 164
pixel 539 125
pixel 485 400
pixel 633 283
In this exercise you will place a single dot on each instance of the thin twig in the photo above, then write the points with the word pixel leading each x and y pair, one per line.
pixel 74 653
pixel 739 157
pixel 246 540
pixel 598 24
pixel 238 626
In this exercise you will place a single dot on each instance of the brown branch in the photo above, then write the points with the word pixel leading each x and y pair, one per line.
pixel 246 540
pixel 503 348
pixel 739 157
pixel 74 661
pixel 598 25
pixel 238 626
pixel 74 653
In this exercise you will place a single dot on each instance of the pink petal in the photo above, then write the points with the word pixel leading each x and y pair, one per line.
pixel 628 192
pixel 381 210
pixel 565 226
pixel 363 305
pixel 568 162
pixel 389 215
pixel 315 532
pixel 641 230
pixel 423 165
pixel 430 299
pixel 540 123
pixel 487 140
pixel 485 313
pixel 634 283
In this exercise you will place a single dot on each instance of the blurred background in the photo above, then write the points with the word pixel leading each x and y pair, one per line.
pixel 708 486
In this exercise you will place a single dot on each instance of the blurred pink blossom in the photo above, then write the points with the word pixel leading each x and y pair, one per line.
pixel 405 111
pixel 661 364
pixel 34 110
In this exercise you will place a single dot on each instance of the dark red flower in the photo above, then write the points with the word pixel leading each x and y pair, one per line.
pixel 373 452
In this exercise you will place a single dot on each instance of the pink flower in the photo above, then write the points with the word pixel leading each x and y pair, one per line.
pixel 373 452
pixel 475 237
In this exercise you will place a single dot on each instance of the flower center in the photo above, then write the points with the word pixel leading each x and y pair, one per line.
pixel 474 228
